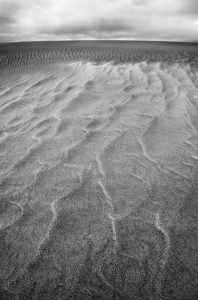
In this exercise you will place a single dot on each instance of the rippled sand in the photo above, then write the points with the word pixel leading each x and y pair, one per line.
pixel 98 171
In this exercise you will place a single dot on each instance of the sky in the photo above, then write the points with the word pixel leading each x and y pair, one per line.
pixel 30 20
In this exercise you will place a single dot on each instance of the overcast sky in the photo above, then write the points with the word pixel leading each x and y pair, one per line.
pixel 26 20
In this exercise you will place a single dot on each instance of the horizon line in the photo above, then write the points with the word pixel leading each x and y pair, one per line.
pixel 101 40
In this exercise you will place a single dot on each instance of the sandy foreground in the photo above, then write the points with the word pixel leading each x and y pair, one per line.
pixel 98 175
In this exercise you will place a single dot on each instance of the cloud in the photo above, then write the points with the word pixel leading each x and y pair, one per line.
pixel 94 27
pixel 111 26
pixel 104 19
pixel 190 8
pixel 8 15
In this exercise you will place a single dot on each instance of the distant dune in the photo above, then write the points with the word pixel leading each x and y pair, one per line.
pixel 98 170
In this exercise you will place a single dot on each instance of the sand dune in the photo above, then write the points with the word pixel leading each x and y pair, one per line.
pixel 98 171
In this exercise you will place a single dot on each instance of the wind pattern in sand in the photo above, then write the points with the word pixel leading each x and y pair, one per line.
pixel 98 170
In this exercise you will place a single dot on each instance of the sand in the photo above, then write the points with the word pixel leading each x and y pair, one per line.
pixel 98 171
